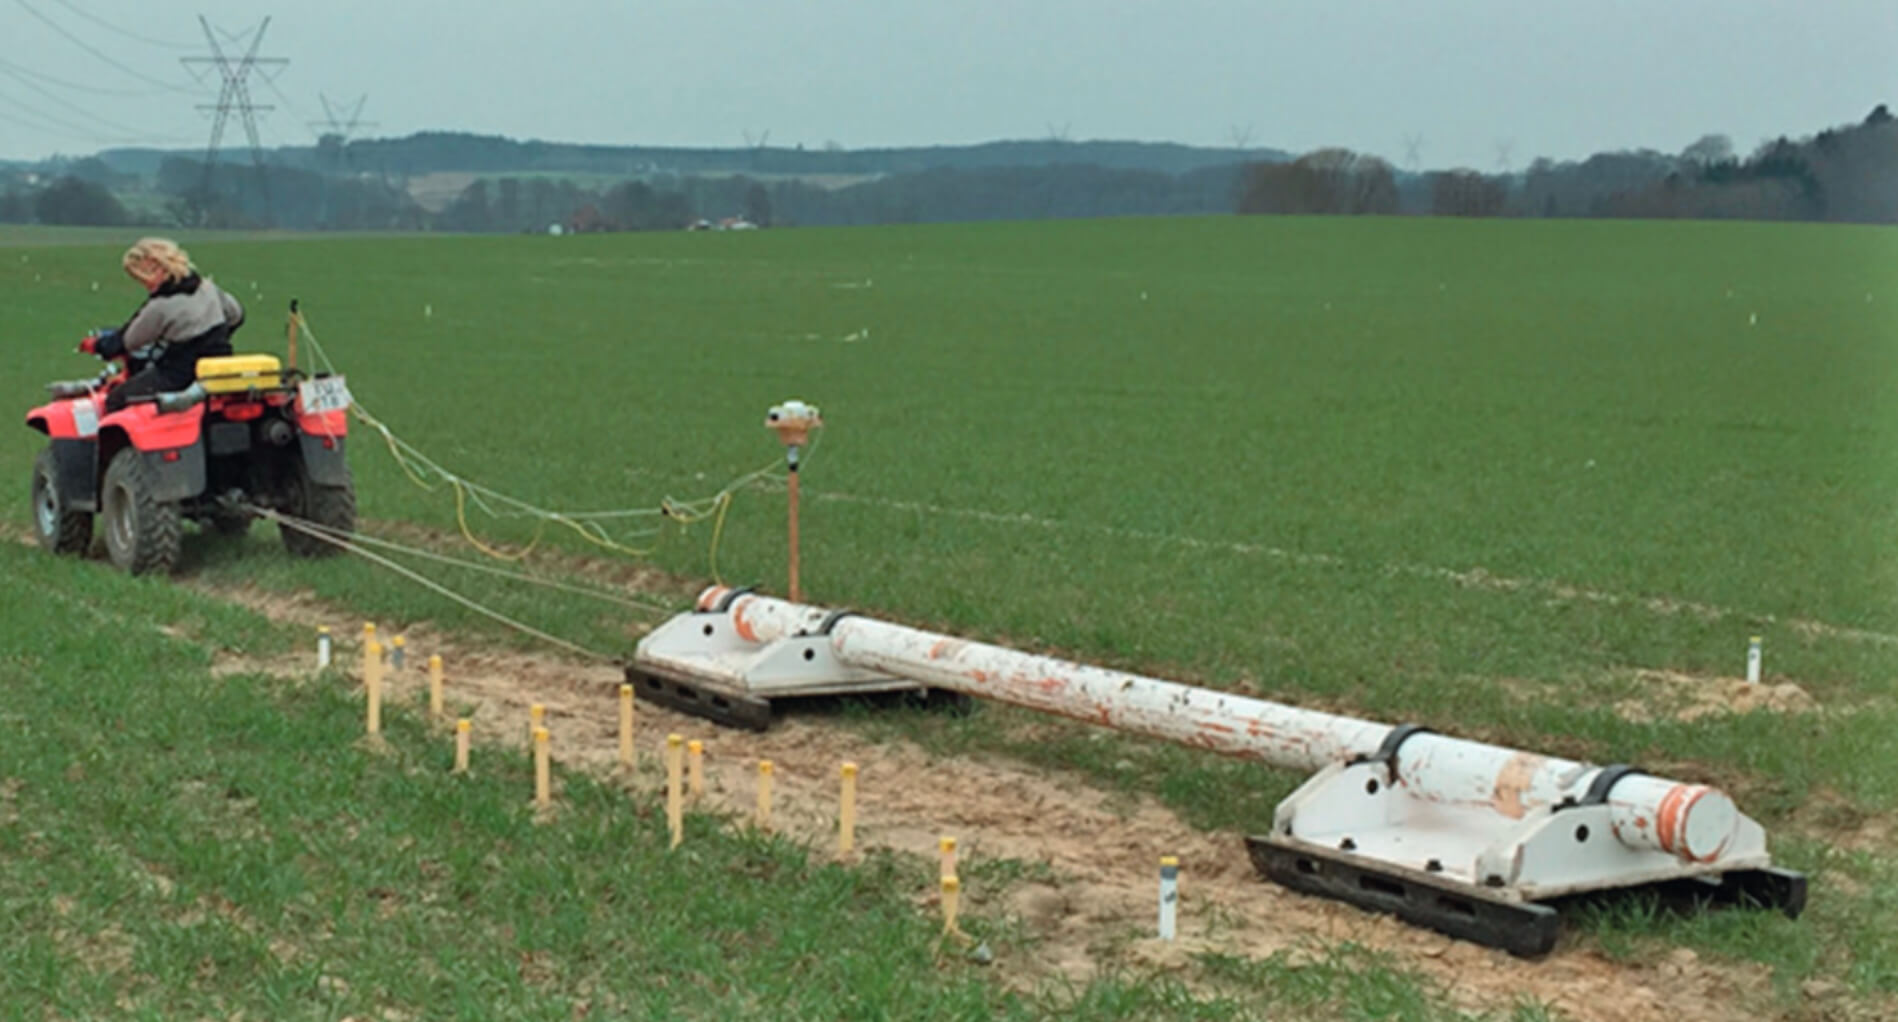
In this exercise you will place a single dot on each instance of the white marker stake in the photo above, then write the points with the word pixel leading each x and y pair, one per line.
pixel 1169 895
pixel 1753 660
pixel 322 648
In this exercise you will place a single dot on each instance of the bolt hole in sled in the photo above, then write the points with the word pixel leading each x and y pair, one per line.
pixel 1477 841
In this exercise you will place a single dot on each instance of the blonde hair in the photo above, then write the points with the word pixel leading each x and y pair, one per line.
pixel 161 253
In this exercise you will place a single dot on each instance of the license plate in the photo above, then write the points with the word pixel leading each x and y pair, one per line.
pixel 329 394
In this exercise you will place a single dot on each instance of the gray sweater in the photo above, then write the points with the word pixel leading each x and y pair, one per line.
pixel 181 311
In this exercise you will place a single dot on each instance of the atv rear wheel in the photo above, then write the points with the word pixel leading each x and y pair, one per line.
pixel 142 533
pixel 331 507
pixel 58 528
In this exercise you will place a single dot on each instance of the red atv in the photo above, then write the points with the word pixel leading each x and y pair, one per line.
pixel 243 435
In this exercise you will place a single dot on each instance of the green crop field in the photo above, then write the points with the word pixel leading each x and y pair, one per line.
pixel 179 844
pixel 1479 475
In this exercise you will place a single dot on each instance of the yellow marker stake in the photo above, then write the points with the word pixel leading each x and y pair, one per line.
pixel 435 686
pixel 543 795
pixel 462 727
pixel 847 811
pixel 368 632
pixel 764 794
pixel 951 902
pixel 675 802
pixel 372 684
pixel 626 726
pixel 536 719
pixel 948 847
pixel 695 767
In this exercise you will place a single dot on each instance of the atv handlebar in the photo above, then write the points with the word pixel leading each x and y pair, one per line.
pixel 105 343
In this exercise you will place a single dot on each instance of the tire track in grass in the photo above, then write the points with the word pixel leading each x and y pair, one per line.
pixel 1473 578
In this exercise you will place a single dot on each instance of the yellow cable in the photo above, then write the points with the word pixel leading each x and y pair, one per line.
pixel 718 530
pixel 394 451
pixel 461 518
pixel 593 534
pixel 686 517
pixel 602 540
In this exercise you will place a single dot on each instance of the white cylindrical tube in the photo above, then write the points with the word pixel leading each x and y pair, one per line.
pixel 1691 821
pixel 322 648
pixel 1753 660
pixel 1169 896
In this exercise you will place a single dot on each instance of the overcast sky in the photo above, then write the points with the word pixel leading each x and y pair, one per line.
pixel 1561 80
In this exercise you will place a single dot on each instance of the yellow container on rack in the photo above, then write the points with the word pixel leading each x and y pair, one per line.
pixel 235 374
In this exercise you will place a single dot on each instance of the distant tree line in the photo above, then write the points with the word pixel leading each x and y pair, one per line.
pixel 66 200
pixel 537 203
pixel 240 195
pixel 1325 182
pixel 1008 193
pixel 431 152
pixel 1844 174
pixel 1847 174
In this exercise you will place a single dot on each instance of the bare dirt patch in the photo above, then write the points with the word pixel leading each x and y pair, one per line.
pixel 10 788
pixel 1832 818
pixel 1691 697
pixel 1085 893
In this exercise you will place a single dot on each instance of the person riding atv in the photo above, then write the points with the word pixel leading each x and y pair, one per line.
pixel 185 318
pixel 187 431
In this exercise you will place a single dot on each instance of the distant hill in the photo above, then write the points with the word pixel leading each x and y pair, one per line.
pixel 436 152
pixel 464 182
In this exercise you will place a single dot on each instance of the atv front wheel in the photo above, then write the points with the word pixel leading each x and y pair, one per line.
pixel 142 533
pixel 331 507
pixel 59 529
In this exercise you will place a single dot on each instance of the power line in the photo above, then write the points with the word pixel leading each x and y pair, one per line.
pixel 102 23
pixel 45 123
pixel 66 129
pixel 295 111
pixel 76 86
pixel 81 111
pixel 4 116
pixel 82 44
